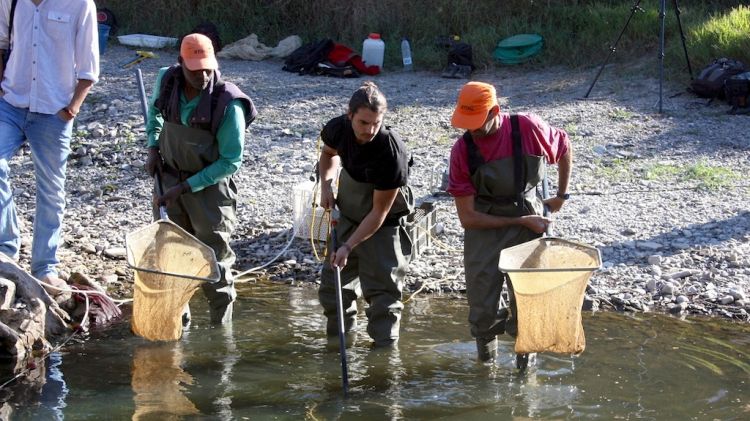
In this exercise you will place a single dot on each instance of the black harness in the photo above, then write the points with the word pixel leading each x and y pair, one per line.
pixel 519 174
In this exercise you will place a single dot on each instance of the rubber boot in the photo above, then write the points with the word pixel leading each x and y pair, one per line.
pixel 332 327
pixel 186 316
pixel 333 344
pixel 524 361
pixel 385 343
pixel 486 349
pixel 221 315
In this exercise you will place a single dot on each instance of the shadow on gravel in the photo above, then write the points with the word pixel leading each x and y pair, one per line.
pixel 695 236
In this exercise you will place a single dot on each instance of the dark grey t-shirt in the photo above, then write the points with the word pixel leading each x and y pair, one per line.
pixel 383 162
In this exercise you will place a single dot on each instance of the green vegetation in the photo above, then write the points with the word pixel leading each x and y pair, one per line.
pixel 617 169
pixel 706 176
pixel 576 32
pixel 571 129
pixel 621 114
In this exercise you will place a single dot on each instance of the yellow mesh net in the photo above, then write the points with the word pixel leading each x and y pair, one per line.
pixel 549 277
pixel 170 264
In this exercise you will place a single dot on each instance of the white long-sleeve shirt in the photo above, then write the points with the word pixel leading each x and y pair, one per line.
pixel 54 44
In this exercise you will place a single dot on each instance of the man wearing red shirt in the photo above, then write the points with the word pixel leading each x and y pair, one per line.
pixel 495 191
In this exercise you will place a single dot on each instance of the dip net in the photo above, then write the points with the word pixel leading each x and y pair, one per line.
pixel 169 264
pixel 549 277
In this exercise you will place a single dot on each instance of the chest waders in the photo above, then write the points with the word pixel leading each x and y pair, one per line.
pixel 375 268
pixel 209 214
pixel 497 195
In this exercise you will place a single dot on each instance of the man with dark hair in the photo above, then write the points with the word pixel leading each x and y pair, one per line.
pixel 494 189
pixel 196 133
pixel 53 63
pixel 373 198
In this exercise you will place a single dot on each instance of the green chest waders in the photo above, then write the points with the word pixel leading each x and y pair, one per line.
pixel 209 214
pixel 375 268
pixel 496 195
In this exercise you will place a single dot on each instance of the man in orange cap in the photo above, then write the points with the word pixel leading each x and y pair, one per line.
pixel 495 168
pixel 196 133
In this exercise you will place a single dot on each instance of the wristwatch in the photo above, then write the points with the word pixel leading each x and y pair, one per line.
pixel 564 196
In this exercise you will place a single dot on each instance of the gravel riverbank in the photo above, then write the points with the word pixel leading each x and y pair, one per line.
pixel 663 196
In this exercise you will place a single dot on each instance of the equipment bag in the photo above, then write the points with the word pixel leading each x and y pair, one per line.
pixel 305 59
pixel 710 81
pixel 737 93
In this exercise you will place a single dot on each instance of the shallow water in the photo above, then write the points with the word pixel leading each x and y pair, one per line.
pixel 273 364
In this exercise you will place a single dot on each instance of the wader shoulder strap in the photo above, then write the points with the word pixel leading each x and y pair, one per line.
pixel 472 154
pixel 518 161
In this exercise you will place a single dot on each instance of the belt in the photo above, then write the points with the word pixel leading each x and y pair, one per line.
pixel 180 175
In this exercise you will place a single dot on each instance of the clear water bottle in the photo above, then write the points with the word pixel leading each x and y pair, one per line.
pixel 406 54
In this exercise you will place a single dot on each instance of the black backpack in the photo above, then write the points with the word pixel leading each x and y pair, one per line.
pixel 710 81
pixel 461 54
pixel 305 59
pixel 737 93
pixel 210 30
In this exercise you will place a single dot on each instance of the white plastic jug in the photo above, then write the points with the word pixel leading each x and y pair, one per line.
pixel 372 50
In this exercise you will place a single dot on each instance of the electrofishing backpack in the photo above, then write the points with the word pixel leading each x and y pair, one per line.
pixel 737 93
pixel 710 81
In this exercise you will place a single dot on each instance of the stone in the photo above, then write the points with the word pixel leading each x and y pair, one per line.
pixel 115 252
pixel 727 299
pixel 654 259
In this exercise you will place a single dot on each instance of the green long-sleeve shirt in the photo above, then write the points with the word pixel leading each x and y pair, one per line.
pixel 230 136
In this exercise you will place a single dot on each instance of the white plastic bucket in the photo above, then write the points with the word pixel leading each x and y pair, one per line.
pixel 373 49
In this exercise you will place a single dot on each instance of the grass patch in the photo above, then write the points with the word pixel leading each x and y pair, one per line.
pixel 659 172
pixel 724 34
pixel 571 129
pixel 620 114
pixel 445 139
pixel 617 169
pixel 705 176
pixel 712 177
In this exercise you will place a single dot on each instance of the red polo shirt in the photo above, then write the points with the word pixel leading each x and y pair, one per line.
pixel 537 138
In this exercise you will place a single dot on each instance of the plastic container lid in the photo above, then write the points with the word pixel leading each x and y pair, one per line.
pixel 374 35
pixel 518 48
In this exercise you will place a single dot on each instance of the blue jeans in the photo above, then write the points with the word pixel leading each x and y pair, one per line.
pixel 49 139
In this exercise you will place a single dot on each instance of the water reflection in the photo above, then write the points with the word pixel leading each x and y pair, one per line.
pixel 38 389
pixel 212 360
pixel 273 363
pixel 159 382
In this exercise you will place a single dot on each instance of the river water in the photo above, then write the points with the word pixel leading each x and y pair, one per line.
pixel 274 362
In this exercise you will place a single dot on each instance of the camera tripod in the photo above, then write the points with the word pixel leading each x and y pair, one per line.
pixel 662 14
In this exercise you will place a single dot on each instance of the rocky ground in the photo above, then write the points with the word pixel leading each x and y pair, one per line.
pixel 664 196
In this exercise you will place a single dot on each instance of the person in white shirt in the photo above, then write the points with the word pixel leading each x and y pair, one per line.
pixel 53 62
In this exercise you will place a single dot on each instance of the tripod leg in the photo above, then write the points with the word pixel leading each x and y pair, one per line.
pixel 636 7
pixel 662 14
pixel 682 38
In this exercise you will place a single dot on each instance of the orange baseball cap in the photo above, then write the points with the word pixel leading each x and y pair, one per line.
pixel 475 101
pixel 197 53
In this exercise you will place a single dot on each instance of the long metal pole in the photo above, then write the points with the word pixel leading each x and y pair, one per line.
pixel 339 307
pixel 545 196
pixel 682 38
pixel 613 47
pixel 144 109
pixel 662 15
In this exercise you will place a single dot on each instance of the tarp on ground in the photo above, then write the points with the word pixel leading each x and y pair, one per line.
pixel 249 48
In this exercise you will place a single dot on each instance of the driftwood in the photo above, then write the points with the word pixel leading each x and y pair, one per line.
pixel 30 320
